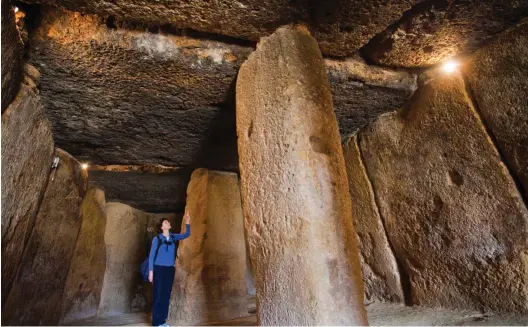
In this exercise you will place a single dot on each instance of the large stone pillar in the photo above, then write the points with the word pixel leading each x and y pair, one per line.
pixel 27 154
pixel 127 245
pixel 294 187
pixel 36 294
pixel 452 213
pixel 210 283
pixel 82 292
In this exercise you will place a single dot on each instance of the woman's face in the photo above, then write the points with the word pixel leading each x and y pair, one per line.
pixel 165 225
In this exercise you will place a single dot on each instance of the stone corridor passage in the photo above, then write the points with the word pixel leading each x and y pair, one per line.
pixel 343 162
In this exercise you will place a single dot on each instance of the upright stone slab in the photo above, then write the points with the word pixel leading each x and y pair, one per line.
pixel 85 279
pixel 126 240
pixel 498 77
pixel 294 187
pixel 36 295
pixel 453 214
pixel 27 152
pixel 210 283
pixel 125 250
pixel 12 52
pixel 378 264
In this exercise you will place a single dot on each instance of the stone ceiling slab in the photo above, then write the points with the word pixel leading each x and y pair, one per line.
pixel 340 26
pixel 129 97
pixel 434 31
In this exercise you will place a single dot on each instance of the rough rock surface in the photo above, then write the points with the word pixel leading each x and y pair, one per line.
pixel 82 292
pixel 341 27
pixel 129 97
pixel 145 190
pixel 301 238
pixel 185 117
pixel 498 78
pixel 434 31
pixel 27 152
pixel 452 212
pixel 36 295
pixel 210 284
pixel 380 270
pixel 124 256
pixel 361 92
pixel 12 51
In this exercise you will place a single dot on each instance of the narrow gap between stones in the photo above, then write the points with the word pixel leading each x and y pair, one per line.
pixel 404 276
pixel 475 107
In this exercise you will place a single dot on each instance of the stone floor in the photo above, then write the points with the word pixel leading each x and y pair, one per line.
pixel 378 314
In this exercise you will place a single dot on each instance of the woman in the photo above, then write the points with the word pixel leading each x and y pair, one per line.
pixel 161 268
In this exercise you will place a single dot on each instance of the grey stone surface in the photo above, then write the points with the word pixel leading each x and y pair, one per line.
pixel 434 31
pixel 27 152
pixel 378 264
pixel 118 96
pixel 498 77
pixel 452 212
pixel 361 92
pixel 144 190
pixel 36 294
pixel 340 27
pixel 129 97
pixel 12 52
pixel 293 178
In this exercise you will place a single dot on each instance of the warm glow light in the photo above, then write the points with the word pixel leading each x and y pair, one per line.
pixel 450 66
pixel 84 166
pixel 16 9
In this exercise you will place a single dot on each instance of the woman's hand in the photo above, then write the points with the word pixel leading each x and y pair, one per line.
pixel 187 218
pixel 151 276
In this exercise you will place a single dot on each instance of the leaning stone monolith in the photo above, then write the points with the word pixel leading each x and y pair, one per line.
pixel 295 195
pixel 210 284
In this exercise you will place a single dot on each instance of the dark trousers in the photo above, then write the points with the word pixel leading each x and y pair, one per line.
pixel 163 278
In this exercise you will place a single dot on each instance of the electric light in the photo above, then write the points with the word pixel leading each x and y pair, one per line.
pixel 84 166
pixel 450 66
pixel 16 9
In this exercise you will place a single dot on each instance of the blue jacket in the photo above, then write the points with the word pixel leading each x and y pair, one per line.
pixel 166 253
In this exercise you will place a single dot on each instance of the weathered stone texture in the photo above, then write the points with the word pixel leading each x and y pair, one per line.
pixel 125 250
pixel 434 31
pixel 341 27
pixel 294 187
pixel 27 151
pixel 130 97
pixel 362 92
pixel 126 240
pixel 36 295
pixel 12 52
pixel 85 279
pixel 380 270
pixel 210 284
pixel 452 212
pixel 118 96
pixel 498 78
pixel 145 190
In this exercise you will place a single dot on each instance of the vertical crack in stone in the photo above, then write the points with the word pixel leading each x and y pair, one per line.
pixel 473 104
pixel 404 276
